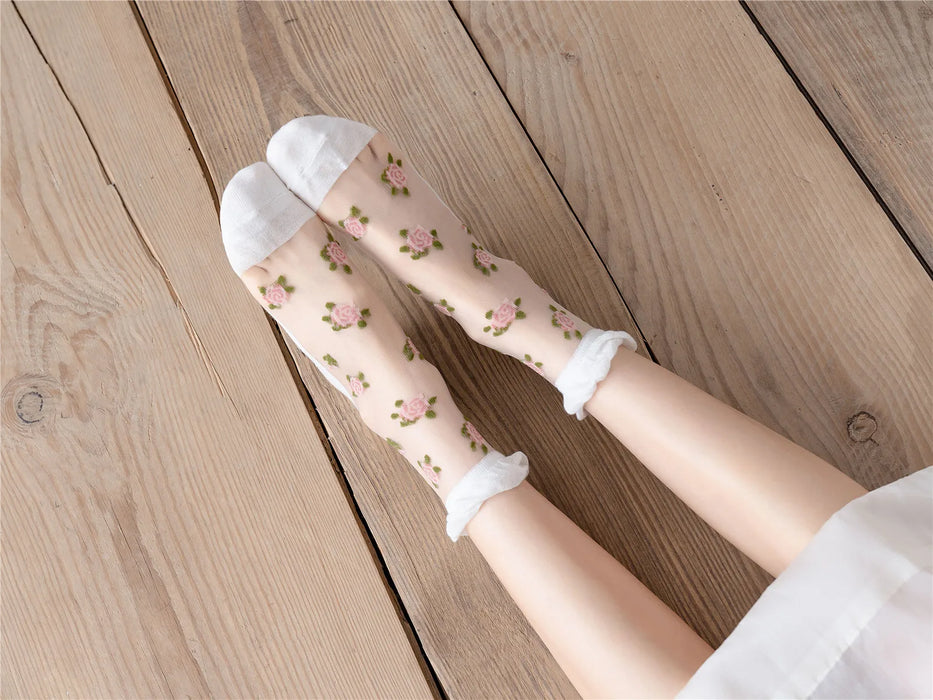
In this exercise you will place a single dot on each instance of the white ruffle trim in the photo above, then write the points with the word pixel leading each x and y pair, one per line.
pixel 588 366
pixel 493 474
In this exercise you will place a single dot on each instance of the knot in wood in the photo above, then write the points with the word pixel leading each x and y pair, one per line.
pixel 29 403
pixel 862 426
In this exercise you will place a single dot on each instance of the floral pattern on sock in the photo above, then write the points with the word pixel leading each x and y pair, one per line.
pixel 561 319
pixel 328 358
pixel 354 224
pixel 536 366
pixel 409 350
pixel 334 255
pixel 395 177
pixel 357 384
pixel 343 315
pixel 444 307
pixel 411 411
pixel 413 289
pixel 469 431
pixel 501 318
pixel 420 241
pixel 432 472
pixel 277 293
pixel 482 260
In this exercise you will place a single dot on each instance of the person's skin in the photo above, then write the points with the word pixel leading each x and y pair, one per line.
pixel 611 636
pixel 764 493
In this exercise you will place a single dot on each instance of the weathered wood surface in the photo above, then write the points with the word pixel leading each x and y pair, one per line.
pixel 172 525
pixel 240 72
pixel 753 257
pixel 868 66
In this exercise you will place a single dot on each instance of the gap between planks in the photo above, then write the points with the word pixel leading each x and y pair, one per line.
pixel 304 393
pixel 290 363
pixel 908 241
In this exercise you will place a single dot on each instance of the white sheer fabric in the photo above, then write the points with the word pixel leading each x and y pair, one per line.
pixel 851 617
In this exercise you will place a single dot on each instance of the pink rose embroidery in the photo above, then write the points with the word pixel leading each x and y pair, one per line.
pixel 431 472
pixel 482 260
pixel 344 315
pixel 536 366
pixel 561 319
pixel 469 431
pixel 395 177
pixel 334 255
pixel 419 241
pixel 357 384
pixel 444 307
pixel 276 293
pixel 355 223
pixel 501 318
pixel 411 411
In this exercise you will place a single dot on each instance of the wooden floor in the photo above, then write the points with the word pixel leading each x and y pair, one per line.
pixel 189 510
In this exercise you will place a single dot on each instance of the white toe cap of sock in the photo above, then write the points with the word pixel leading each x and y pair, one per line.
pixel 258 214
pixel 310 153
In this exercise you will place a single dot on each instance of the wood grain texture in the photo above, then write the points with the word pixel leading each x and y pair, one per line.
pixel 172 525
pixel 243 70
pixel 753 257
pixel 868 66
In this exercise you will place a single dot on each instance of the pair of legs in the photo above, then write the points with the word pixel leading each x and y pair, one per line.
pixel 610 634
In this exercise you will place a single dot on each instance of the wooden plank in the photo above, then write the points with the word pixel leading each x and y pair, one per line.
pixel 752 255
pixel 172 525
pixel 241 71
pixel 868 66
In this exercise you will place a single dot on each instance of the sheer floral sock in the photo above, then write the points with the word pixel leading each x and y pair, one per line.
pixel 298 271
pixel 358 181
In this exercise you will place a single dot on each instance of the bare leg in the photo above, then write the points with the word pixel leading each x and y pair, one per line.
pixel 610 634
pixel 764 493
